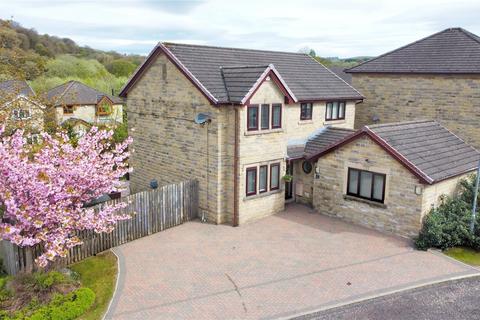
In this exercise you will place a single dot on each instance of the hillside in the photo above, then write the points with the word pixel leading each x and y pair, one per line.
pixel 47 61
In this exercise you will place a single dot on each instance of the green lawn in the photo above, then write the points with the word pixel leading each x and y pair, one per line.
pixel 466 255
pixel 99 274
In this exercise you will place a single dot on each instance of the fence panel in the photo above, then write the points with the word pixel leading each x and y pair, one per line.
pixel 152 211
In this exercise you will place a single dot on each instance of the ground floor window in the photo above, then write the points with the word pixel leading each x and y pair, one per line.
pixel 264 177
pixel 366 185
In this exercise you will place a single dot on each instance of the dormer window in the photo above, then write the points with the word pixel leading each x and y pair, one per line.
pixel 104 107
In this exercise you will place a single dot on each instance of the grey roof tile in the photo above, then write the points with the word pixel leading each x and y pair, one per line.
pixel 15 88
pixel 430 147
pixel 74 92
pixel 453 50
pixel 239 80
pixel 307 79
pixel 324 139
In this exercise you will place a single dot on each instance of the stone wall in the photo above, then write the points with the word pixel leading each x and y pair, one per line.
pixel 452 100
pixel 169 146
pixel 35 123
pixel 402 209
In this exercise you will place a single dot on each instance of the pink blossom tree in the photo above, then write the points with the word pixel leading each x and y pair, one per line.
pixel 43 192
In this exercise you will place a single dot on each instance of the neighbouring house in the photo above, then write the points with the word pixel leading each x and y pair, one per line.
pixel 19 109
pixel 82 106
pixel 388 176
pixel 340 71
pixel 437 77
pixel 233 119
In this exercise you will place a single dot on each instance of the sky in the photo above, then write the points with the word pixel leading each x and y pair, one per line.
pixel 342 28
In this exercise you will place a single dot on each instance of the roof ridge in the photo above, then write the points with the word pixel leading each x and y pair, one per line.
pixel 471 35
pixel 391 124
pixel 230 48
pixel 398 49
pixel 245 66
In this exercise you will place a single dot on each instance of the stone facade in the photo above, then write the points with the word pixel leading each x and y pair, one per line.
pixel 452 100
pixel 170 147
pixel 407 199
pixel 33 123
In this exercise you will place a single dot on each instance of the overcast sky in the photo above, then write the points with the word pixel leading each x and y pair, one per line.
pixel 343 28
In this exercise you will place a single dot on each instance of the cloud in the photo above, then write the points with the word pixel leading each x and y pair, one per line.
pixel 341 28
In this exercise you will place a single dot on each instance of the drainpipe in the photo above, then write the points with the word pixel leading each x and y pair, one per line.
pixel 235 170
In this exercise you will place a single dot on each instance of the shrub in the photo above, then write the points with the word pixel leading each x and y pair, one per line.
pixel 448 225
pixel 61 307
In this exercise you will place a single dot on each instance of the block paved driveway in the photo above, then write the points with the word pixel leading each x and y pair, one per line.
pixel 284 265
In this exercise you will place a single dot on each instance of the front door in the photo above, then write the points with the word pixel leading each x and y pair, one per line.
pixel 289 184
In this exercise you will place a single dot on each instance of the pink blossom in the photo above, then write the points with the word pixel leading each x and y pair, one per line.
pixel 43 193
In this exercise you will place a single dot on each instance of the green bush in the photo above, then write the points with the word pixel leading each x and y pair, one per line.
pixel 61 307
pixel 448 225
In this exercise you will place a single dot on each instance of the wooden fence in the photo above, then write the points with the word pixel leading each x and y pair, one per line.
pixel 152 211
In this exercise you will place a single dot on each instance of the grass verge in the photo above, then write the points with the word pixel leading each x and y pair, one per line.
pixel 466 255
pixel 98 273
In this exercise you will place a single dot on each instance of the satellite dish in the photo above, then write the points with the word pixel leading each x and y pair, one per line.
pixel 202 118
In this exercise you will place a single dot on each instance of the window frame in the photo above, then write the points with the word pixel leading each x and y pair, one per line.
pixel 305 104
pixel 268 106
pixel 266 178
pixel 274 165
pixel 279 106
pixel 331 118
pixel 254 169
pixel 20 114
pixel 374 174
pixel 253 106
pixel 68 108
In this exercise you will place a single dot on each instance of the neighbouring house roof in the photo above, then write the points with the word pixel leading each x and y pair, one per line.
pixel 12 88
pixel 340 71
pixel 453 50
pixel 77 93
pixel 307 79
pixel 427 149
pixel 324 139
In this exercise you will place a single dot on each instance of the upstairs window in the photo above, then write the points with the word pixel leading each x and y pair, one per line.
pixel 306 110
pixel 265 123
pixel 366 185
pixel 68 109
pixel 264 116
pixel 21 114
pixel 276 116
pixel 335 110
pixel 252 117
pixel 104 109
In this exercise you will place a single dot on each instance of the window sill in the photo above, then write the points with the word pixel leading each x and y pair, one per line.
pixel 369 202
pixel 262 195
pixel 259 132
pixel 342 121
pixel 305 122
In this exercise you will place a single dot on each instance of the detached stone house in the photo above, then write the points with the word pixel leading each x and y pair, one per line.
pixel 18 108
pixel 388 176
pixel 437 77
pixel 257 108
pixel 82 106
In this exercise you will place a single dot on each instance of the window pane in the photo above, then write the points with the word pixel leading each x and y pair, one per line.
pixel 329 111
pixel 276 116
pixel 341 110
pixel 306 111
pixel 252 118
pixel 378 183
pixel 265 116
pixel 335 111
pixel 366 184
pixel 274 178
pixel 353 181
pixel 251 183
pixel 262 183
